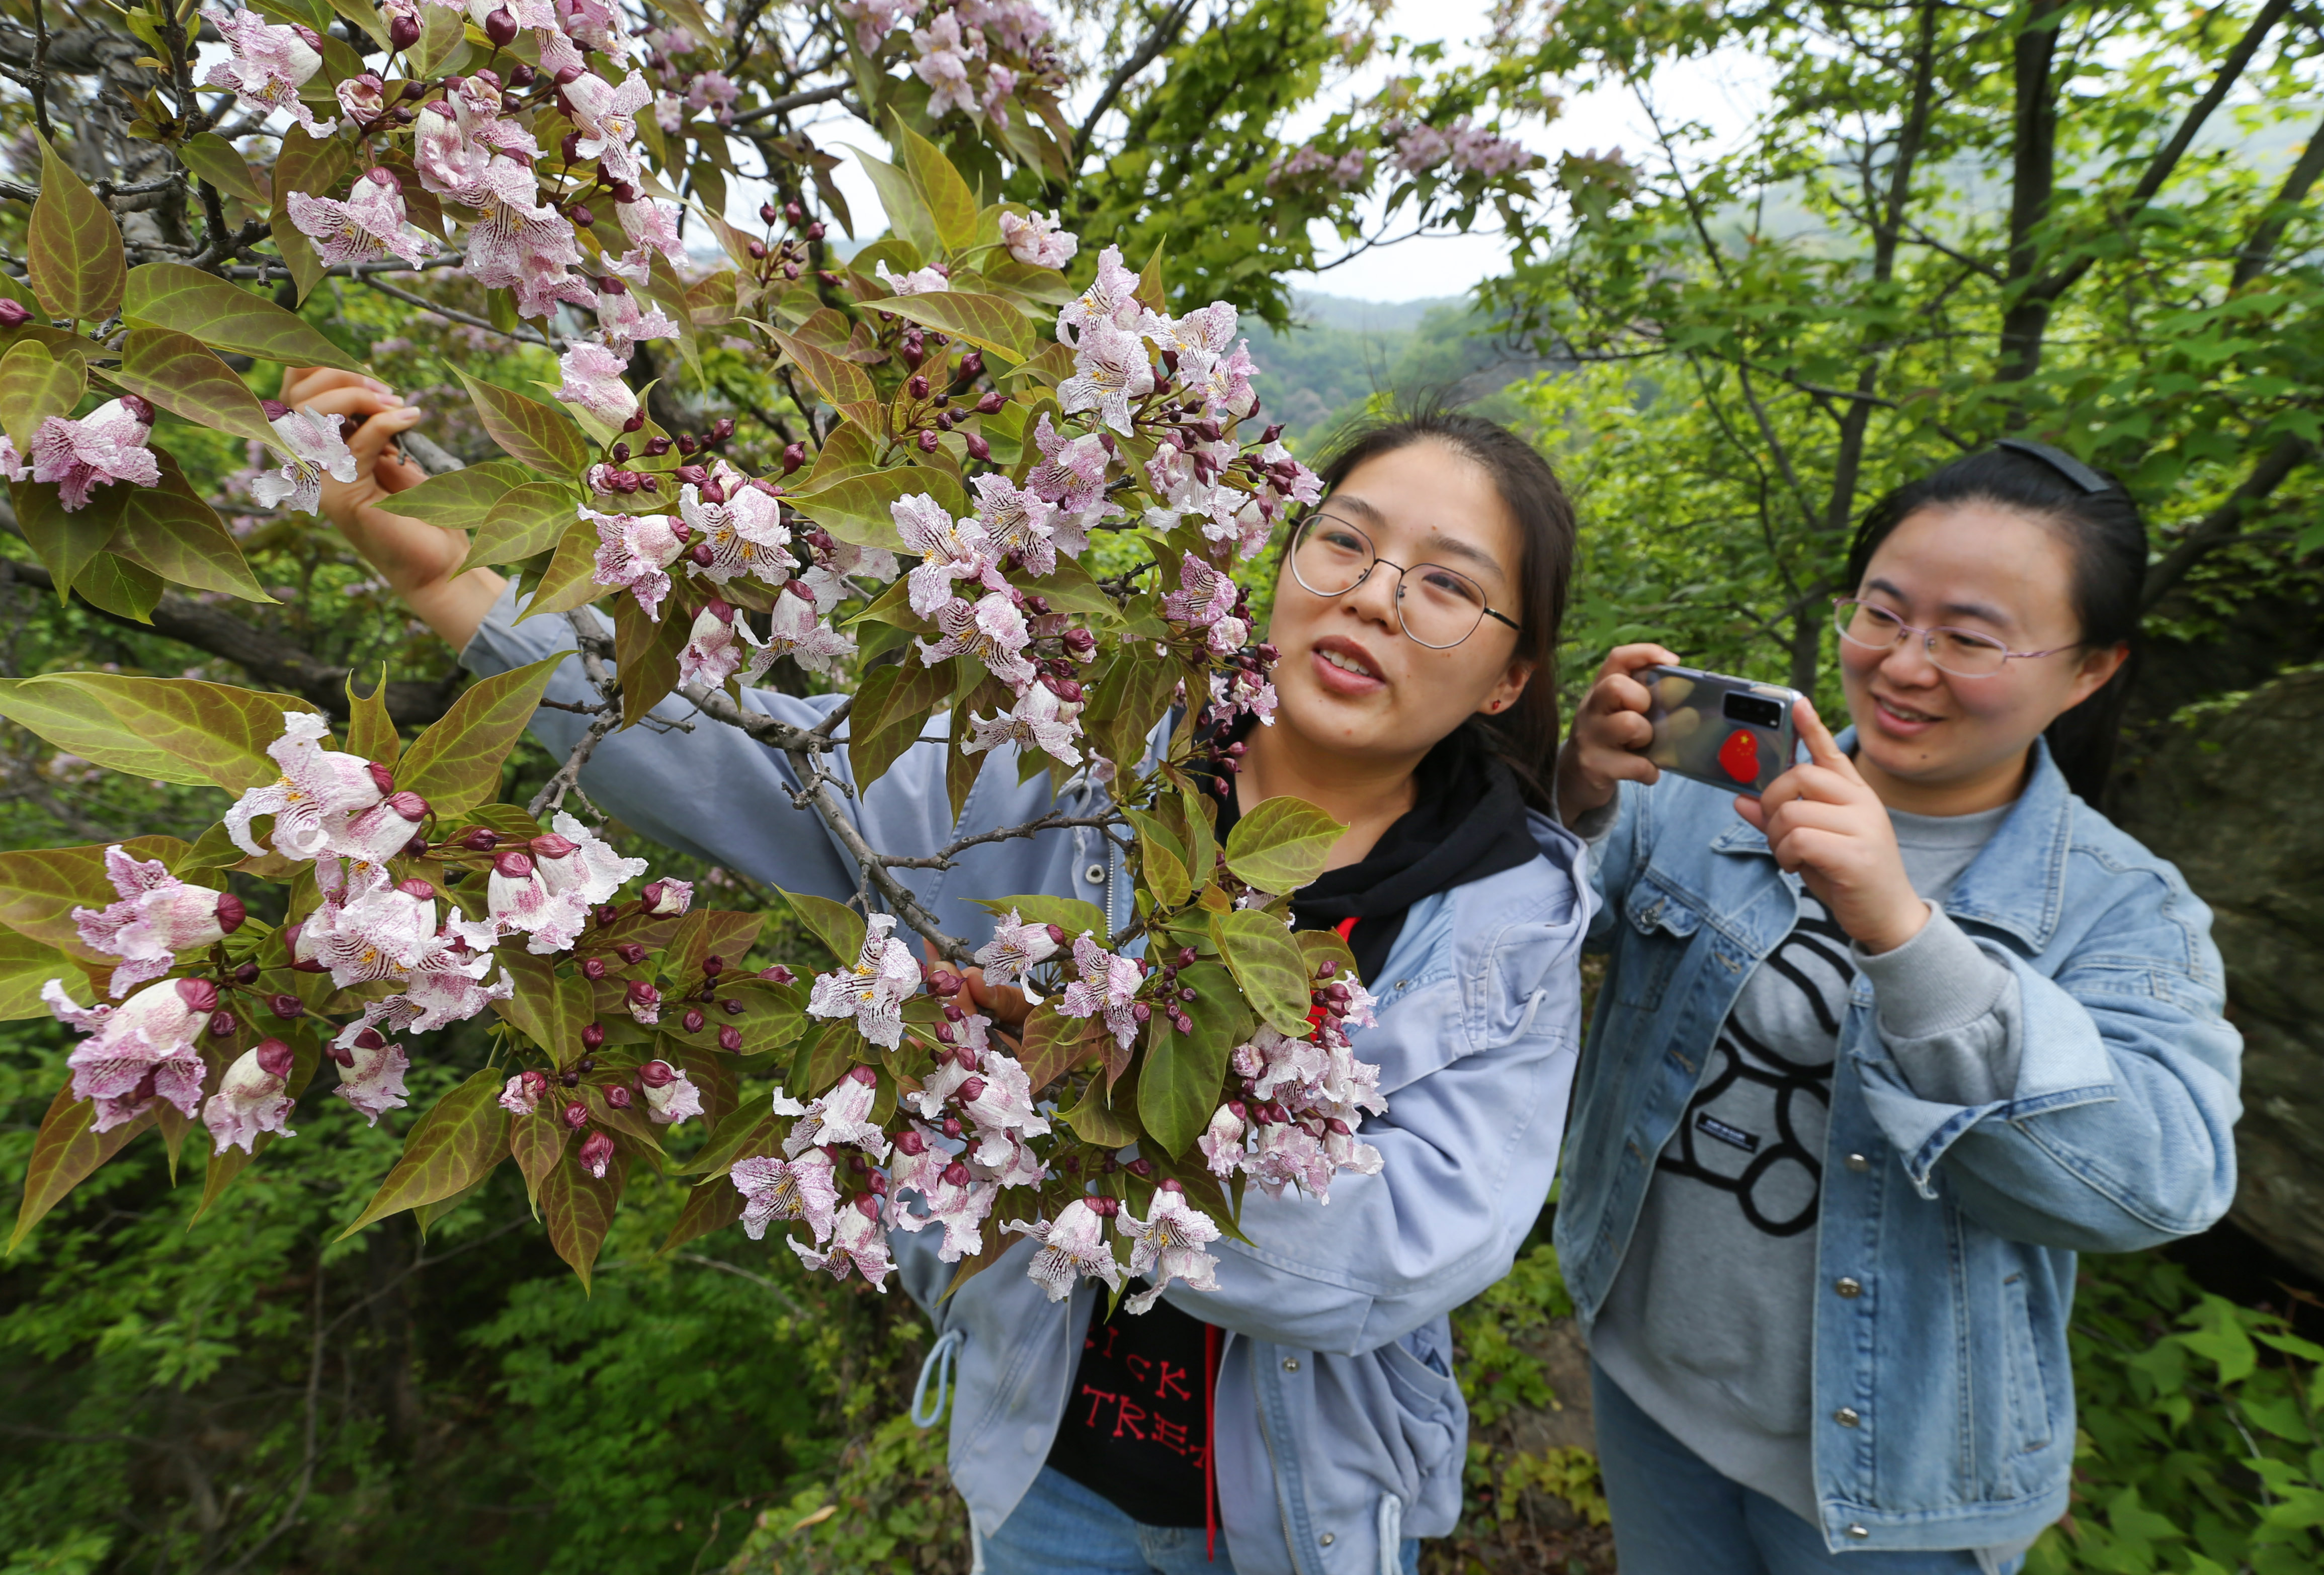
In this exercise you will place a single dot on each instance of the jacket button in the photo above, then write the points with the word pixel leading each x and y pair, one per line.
pixel 1325 1539
pixel 1847 1416
pixel 1858 1164
pixel 1094 875
pixel 1848 1286
pixel 1859 1532
pixel 1290 1364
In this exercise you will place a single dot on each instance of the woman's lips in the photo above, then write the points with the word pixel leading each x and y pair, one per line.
pixel 1335 679
pixel 1899 724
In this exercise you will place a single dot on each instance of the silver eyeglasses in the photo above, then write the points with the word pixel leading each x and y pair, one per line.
pixel 1437 606
pixel 1962 653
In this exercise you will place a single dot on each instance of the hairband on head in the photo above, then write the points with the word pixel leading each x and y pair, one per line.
pixel 2059 460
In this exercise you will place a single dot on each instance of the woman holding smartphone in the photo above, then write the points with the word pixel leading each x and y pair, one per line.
pixel 1302 1417
pixel 1879 1052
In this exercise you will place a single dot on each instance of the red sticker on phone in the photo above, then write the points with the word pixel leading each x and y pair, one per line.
pixel 1739 757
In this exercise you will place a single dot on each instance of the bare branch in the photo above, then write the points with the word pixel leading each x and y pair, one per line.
pixel 2259 251
pixel 2288 454
pixel 1164 33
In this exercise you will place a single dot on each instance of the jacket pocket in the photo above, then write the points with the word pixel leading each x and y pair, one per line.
pixel 1662 929
pixel 2029 1394
pixel 1430 1413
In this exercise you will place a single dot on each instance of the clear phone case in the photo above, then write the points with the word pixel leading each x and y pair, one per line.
pixel 1735 734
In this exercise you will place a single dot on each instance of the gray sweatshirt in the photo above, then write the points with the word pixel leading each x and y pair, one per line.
pixel 1708 1325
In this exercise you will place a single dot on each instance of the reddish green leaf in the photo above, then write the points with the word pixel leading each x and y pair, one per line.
pixel 859 507
pixel 450 1149
pixel 901 199
pixel 951 205
pixel 1316 946
pixel 538 1142
pixel 1281 845
pixel 842 383
pixel 313 166
pixel 578 1209
pixel 524 521
pixel 443 43
pixel 220 313
pixel 1179 1084
pixel 169 730
pixel 456 764
pixel 182 376
pixel 631 1123
pixel 570 579
pixel 35 385
pixel 371 731
pixel 527 430
pixel 891 706
pixel 1108 1123
pixel 125 589
pixel 713 1206
pixel 704 931
pixel 1054 1043
pixel 210 157
pixel 66 1152
pixel 645 656
pixel 987 321
pixel 839 928
pixel 26 965
pixel 73 250
pixel 41 887
pixel 67 543
pixel 745 1131
pixel 172 532
pixel 462 500
pixel 1257 946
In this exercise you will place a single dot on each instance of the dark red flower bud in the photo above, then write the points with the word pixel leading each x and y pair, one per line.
pixel 950 1127
pixel 916 385
pixel 778 974
pixel 199 994
pixel 815 232
pixel 635 422
pixel 1170 1184
pixel 722 429
pixel 687 445
pixel 481 839
pixel 274 1058
pixel 285 1006
pixel 864 1075
pixel 730 1038
pixel 596 1151
pixel 944 1033
pixel 944 982
pixel 630 953
pixel 656 447
pixel 402 32
pixel 222 1023
pixel 521 75
pixel 1141 1166
pixel 230 912
pixel 757 249
pixel 1056 934
pixel 576 1115
pixel 569 1079
pixel 500 27
pixel 549 845
pixel 909 1141
pixel 978 448
pixel 867 1205
pixel 567 75
pixel 370 1039
pixel 953 1012
pixel 928 442
pixel 620 452
pixel 618 1096
pixel 514 864
pixel 794 212
pixel 956 1175
pixel 972 1090
pixel 583 215
pixel 643 994
pixel 693 1021
pixel 13 313
pixel 1139 1012
pixel 593 1038
pixel 768 213
pixel 138 406
pixel 247 973
pixel 593 969
pixel 1080 641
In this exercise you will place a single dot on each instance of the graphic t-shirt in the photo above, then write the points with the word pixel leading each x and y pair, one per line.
pixel 1129 1434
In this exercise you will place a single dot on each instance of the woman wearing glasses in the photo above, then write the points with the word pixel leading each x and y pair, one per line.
pixel 1878 1053
pixel 1302 1417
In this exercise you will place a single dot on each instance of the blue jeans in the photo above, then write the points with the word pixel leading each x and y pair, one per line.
pixel 1676 1515
pixel 1062 1528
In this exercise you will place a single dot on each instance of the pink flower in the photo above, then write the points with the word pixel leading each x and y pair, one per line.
pixel 670 1095
pixel 139 1051
pixel 374 836
pixel 1170 1246
pixel 667 897
pixel 714 88
pixel 380 933
pixel 717 646
pixel 634 552
pixel 268 64
pixel 919 282
pixel 158 916
pixel 1018 521
pixel 942 67
pixel 1423 147
pixel 650 224
pixel 857 1241
pixel 1239 692
pixel 843 1116
pixel 998 1096
pixel 1205 601
pixel 595 1155
pixel 1038 241
pixel 312 800
pixel 1110 299
pixel 107 445
pixel 312 441
pixel 1110 368
pixel 521 1096
pixel 800 1189
pixel 622 320
pixel 364 97
pixel 1221 1143
pixel 599 25
pixel 1108 986
pixel 949 551
pixel 593 383
pixel 371 1071
pixel 793 630
pixel 1041 722
pixel 369 225
pixel 1072 1245
pixel 607 117
pixel 876 19
pixel 874 989
pixel 1071 477
pixel 528 250
pixel 579 868
pixel 741 525
pixel 1483 152
pixel 956 1200
pixel 990 629
pixel 1000 82
pixel 1014 948
pixel 250 1098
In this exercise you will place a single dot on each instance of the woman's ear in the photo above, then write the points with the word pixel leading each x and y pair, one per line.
pixel 2097 668
pixel 1504 693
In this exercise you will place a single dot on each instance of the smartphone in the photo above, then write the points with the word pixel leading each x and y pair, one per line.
pixel 1735 734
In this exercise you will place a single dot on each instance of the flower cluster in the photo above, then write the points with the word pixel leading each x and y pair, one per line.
pixel 1469 149
pixel 107 445
pixel 1302 1100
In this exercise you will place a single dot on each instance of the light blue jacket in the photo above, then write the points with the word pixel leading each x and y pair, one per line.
pixel 1943 1396
pixel 1340 1427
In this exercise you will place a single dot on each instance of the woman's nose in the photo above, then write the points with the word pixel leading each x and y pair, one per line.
pixel 1374 597
pixel 1907 664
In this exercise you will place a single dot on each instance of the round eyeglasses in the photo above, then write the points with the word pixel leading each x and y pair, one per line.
pixel 1962 653
pixel 1437 606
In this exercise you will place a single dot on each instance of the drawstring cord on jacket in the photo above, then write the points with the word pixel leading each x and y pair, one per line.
pixel 939 1362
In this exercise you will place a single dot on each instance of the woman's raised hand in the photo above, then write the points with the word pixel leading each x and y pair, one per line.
pixel 416 559
pixel 1608 744
pixel 1823 820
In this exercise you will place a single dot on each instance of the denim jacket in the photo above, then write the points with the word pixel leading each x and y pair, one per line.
pixel 1943 1398
pixel 1340 1428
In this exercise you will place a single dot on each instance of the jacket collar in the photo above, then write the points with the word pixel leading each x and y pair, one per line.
pixel 2017 882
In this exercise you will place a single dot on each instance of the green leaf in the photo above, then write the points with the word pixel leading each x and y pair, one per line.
pixel 901 199
pixel 450 1149
pixel 210 157
pixel 125 589
pixel 180 374
pixel 443 45
pixel 72 249
pixel 26 965
pixel 172 532
pixel 570 579
pixel 462 500
pixel 369 18
pixel 1281 845
pixel 742 1132
pixel 842 383
pixel 1165 860
pixel 1054 1043
pixel 224 314
pixel 1069 913
pixel 35 385
pixel 1179 1087
pixel 707 1209
pixel 578 1209
pixel 951 205
pixel 538 1142
pixel 67 543
pixel 371 731
pixel 66 1152
pixel 313 166
pixel 41 887
pixel 167 730
pixel 858 508
pixel 891 706
pixel 527 430
pixel 524 521
pixel 549 1007
pixel 645 658
pixel 1109 1124
pixel 987 321
pixel 1069 588
pixel 840 928
pixel 1318 946
pixel 456 764
pixel 1257 946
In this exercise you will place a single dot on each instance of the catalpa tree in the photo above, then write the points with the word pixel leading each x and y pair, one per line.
pixel 1015 478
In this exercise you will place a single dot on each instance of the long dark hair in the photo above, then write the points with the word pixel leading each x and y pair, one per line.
pixel 1527 734
pixel 2101 524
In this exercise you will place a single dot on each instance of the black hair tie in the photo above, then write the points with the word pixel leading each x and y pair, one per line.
pixel 2059 460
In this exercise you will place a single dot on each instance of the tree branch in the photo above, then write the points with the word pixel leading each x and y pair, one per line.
pixel 2259 251
pixel 2289 455
pixel 1165 32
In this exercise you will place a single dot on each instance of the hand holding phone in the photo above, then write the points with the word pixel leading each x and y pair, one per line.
pixel 1730 732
